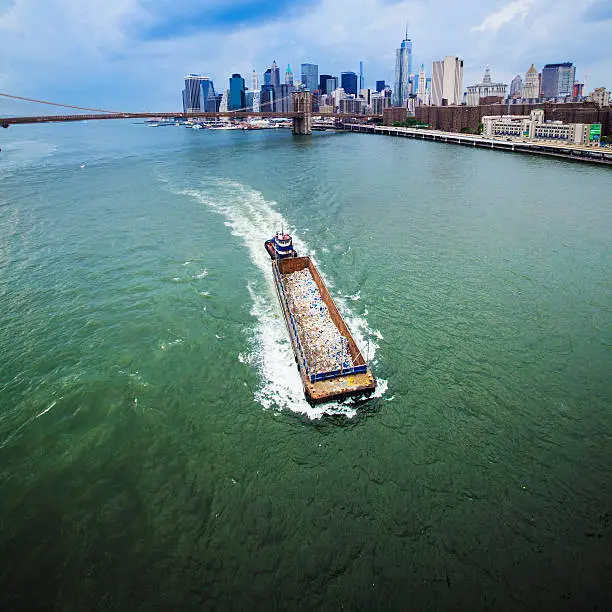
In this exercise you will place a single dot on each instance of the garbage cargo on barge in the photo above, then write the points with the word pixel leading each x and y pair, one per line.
pixel 329 361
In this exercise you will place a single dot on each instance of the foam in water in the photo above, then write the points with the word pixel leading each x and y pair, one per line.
pixel 47 408
pixel 29 421
pixel 166 345
pixel 253 219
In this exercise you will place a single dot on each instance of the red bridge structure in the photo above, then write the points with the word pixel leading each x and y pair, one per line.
pixel 301 115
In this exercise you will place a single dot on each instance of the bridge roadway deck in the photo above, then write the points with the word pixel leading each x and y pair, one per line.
pixel 7 121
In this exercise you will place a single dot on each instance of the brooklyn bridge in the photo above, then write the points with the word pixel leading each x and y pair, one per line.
pixel 301 115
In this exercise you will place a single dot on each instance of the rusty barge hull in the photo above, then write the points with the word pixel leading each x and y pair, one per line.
pixel 320 387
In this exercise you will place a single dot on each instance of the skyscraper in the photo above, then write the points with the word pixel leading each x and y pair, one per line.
pixel 447 81
pixel 599 95
pixel 348 82
pixel 387 94
pixel 192 93
pixel 275 72
pixel 531 85
pixel 377 103
pixel 380 86
pixel 208 95
pixel 285 101
pixel 337 95
pixel 224 105
pixel 236 93
pixel 218 100
pixel 453 79
pixel 361 76
pixel 437 82
pixel 288 76
pixel 421 86
pixel 323 83
pixel 331 85
pixel 266 99
pixel 516 86
pixel 199 94
pixel 256 92
pixel 310 76
pixel 558 80
pixel 403 69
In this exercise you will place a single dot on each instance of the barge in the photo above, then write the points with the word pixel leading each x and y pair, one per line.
pixel 330 363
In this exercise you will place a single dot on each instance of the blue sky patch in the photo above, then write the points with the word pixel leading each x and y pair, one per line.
pixel 173 23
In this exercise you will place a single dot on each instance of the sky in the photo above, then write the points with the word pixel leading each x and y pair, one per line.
pixel 132 55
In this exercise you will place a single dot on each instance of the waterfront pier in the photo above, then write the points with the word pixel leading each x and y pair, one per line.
pixel 565 151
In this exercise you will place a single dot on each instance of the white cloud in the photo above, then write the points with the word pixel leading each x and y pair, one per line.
pixel 93 54
pixel 494 21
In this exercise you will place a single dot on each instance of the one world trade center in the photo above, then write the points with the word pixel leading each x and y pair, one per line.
pixel 403 70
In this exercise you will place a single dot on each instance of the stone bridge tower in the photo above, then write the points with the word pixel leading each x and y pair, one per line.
pixel 302 103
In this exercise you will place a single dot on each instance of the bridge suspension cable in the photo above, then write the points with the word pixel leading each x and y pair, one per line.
pixel 266 111
pixel 100 110
pixel 83 108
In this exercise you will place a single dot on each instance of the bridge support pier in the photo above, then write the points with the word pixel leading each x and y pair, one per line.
pixel 302 104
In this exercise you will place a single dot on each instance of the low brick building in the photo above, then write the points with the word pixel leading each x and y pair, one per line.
pixel 394 114
pixel 467 118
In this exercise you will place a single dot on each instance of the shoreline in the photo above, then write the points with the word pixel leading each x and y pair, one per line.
pixel 549 149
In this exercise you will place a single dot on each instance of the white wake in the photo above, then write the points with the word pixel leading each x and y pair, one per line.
pixel 254 220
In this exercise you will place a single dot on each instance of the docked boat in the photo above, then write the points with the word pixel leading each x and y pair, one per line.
pixel 330 363
pixel 225 126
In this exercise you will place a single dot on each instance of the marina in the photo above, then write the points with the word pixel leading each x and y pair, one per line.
pixel 195 123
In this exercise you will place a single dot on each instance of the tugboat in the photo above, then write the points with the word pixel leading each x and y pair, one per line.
pixel 281 246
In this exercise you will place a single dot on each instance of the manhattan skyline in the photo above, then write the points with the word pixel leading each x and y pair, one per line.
pixel 133 54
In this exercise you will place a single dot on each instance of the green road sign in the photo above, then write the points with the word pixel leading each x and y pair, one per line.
pixel 595 131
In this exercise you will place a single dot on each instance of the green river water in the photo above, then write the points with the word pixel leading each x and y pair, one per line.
pixel 156 451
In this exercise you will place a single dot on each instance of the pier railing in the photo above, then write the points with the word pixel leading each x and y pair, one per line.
pixel 335 373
